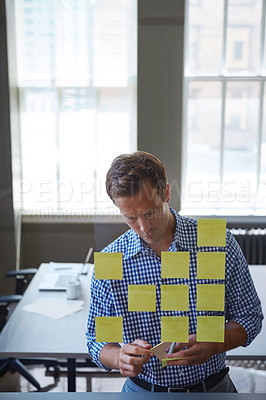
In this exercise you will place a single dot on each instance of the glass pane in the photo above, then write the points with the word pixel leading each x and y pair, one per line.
pixel 113 127
pixel 38 149
pixel 77 65
pixel 113 56
pixel 77 150
pixel 205 37
pixel 243 37
pixel 262 188
pixel 36 47
pixel 264 58
pixel 74 26
pixel 203 140
pixel 241 141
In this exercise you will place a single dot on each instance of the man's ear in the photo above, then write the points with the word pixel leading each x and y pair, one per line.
pixel 167 193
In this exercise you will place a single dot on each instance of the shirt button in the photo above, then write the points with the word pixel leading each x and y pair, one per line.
pixel 181 373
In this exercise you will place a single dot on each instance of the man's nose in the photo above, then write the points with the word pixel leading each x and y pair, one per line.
pixel 144 225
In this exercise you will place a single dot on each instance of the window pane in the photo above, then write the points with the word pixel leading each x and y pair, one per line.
pixel 76 149
pixel 205 37
pixel 38 148
pixel 112 30
pixel 262 188
pixel 264 58
pixel 203 138
pixel 243 37
pixel 224 163
pixel 241 138
pixel 77 85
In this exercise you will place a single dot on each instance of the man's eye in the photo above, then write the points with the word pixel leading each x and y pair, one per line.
pixel 130 218
pixel 149 214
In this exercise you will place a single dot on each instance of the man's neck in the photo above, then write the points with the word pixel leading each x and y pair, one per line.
pixel 165 242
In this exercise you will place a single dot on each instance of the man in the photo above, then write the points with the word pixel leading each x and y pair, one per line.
pixel 138 186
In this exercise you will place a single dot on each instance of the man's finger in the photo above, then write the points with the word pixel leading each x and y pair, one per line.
pixel 134 350
pixel 142 343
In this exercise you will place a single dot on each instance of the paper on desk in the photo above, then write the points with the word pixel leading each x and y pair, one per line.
pixel 54 308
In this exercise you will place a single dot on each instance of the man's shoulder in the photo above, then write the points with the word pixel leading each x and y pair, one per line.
pixel 122 243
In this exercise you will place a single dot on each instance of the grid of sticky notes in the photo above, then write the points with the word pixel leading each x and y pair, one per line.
pixel 142 298
pixel 211 265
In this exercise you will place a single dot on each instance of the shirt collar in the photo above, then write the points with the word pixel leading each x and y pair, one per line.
pixel 135 245
pixel 184 235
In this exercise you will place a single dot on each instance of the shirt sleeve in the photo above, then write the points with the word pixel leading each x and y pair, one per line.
pixel 242 302
pixel 100 305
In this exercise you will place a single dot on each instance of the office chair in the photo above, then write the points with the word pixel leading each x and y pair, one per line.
pixel 22 277
pixel 12 364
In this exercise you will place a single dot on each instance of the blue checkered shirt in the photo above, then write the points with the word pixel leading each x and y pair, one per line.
pixel 142 266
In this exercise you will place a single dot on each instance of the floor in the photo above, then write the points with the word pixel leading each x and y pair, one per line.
pixel 246 379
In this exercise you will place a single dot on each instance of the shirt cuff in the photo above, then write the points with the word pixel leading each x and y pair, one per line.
pixel 250 328
pixel 95 354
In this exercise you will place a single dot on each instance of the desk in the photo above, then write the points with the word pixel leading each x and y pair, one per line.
pixel 65 338
pixel 132 396
pixel 257 349
pixel 36 336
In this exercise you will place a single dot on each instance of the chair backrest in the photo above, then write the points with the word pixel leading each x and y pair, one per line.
pixel 23 278
pixel 5 302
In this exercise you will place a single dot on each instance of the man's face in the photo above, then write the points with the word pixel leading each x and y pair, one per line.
pixel 146 213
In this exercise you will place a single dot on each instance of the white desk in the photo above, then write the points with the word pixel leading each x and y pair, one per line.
pixel 257 349
pixel 33 335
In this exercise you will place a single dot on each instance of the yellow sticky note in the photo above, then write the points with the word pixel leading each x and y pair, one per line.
pixel 174 329
pixel 211 265
pixel 141 297
pixel 210 297
pixel 165 360
pixel 174 298
pixel 109 329
pixel 210 329
pixel 211 232
pixel 108 265
pixel 175 264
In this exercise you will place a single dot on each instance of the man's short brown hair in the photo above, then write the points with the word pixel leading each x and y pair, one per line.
pixel 128 173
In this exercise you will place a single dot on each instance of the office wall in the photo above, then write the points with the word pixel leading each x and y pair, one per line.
pixel 160 80
pixel 64 242
pixel 7 232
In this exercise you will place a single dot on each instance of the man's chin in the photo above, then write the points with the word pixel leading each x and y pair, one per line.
pixel 150 238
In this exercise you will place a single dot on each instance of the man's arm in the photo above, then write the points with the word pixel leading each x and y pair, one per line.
pixel 199 352
pixel 129 358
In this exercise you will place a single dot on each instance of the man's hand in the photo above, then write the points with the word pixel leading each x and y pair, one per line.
pixel 133 356
pixel 194 353
pixel 199 352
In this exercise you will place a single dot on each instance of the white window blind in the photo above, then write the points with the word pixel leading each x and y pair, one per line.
pixel 76 79
pixel 224 170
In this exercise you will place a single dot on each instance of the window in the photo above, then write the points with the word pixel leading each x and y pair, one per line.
pixel 224 169
pixel 76 81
